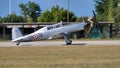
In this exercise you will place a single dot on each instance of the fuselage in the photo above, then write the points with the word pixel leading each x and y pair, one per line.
pixel 50 31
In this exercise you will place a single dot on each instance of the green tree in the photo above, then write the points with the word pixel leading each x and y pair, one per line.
pixel 56 14
pixel 45 17
pixel 108 10
pixel 31 11
pixel 0 19
pixel 56 11
pixel 112 9
pixel 72 17
pixel 24 10
pixel 81 19
pixel 13 18
pixel 115 9
pixel 102 9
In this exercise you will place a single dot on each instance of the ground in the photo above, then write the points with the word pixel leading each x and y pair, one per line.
pixel 81 54
pixel 61 43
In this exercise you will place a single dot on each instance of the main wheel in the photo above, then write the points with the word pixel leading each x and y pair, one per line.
pixel 69 43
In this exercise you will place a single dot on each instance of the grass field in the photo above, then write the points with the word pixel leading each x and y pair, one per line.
pixel 60 57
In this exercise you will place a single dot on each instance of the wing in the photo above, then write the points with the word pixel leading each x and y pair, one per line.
pixel 66 38
pixel 57 36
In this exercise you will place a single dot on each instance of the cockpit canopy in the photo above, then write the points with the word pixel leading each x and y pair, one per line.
pixel 54 26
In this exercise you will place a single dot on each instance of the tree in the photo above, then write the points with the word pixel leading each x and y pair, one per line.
pixel 72 17
pixel 102 9
pixel 24 10
pixel 113 7
pixel 45 17
pixel 13 18
pixel 81 19
pixel 108 10
pixel 0 19
pixel 56 14
pixel 115 11
pixel 31 11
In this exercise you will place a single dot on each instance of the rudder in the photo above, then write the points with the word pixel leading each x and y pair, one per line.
pixel 16 33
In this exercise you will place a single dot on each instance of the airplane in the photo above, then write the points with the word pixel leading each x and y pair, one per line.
pixel 48 32
pixel 52 31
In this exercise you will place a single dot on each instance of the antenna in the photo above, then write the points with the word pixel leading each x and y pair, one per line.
pixel 83 20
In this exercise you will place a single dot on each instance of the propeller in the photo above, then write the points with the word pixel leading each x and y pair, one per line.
pixel 95 23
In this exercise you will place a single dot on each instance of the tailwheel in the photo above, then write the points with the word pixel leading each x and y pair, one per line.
pixel 18 43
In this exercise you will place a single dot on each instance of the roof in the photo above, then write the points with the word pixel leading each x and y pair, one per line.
pixel 41 24
pixel 106 22
pixel 27 23
pixel 30 25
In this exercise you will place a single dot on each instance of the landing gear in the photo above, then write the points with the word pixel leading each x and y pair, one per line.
pixel 18 43
pixel 67 40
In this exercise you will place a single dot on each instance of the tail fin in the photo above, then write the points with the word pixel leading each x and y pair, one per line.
pixel 16 33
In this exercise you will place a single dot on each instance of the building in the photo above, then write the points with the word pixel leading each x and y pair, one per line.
pixel 26 28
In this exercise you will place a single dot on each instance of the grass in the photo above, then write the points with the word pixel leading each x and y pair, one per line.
pixel 60 57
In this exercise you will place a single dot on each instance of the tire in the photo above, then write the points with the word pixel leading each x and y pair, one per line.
pixel 70 42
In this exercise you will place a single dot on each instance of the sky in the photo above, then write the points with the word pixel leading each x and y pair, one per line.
pixel 78 7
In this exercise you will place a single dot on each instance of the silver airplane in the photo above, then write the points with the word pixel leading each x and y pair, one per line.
pixel 48 32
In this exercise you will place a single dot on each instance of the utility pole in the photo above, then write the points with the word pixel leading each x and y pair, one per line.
pixel 10 7
pixel 68 11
